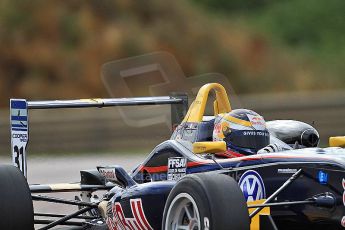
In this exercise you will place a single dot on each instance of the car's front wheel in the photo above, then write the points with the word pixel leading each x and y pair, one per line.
pixel 206 201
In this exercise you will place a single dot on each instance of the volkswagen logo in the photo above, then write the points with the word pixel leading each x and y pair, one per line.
pixel 252 186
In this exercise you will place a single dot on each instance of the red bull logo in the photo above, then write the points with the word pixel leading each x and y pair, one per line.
pixel 138 221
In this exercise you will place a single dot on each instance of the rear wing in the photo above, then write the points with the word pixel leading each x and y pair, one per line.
pixel 19 113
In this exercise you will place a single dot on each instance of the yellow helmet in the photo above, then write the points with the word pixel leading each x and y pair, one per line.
pixel 243 130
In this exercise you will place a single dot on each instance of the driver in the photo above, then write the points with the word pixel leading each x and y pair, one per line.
pixel 244 132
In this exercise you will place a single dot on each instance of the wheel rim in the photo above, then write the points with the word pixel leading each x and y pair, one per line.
pixel 183 214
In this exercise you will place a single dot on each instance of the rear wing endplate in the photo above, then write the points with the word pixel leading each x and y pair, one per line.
pixel 19 112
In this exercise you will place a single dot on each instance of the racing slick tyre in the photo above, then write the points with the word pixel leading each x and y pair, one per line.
pixel 206 201
pixel 15 200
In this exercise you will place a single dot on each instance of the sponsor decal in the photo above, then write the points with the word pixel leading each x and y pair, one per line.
pixel 343 221
pixel 255 133
pixel 343 184
pixel 108 173
pixel 287 171
pixel 217 131
pixel 119 221
pixel 177 167
pixel 217 128
pixel 323 177
pixel 258 122
pixel 252 186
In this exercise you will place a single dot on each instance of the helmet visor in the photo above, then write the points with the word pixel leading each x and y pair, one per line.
pixel 251 139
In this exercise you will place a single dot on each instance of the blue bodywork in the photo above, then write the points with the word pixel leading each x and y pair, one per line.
pixel 271 169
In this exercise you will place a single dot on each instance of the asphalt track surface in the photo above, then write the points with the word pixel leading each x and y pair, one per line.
pixel 64 169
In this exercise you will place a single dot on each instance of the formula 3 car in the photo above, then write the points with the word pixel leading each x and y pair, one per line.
pixel 181 184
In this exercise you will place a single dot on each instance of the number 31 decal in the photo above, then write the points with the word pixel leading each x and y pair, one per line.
pixel 19 158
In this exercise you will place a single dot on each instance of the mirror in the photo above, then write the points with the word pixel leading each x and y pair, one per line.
pixel 337 141
pixel 209 147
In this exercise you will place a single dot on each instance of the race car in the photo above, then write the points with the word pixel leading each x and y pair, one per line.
pixel 182 184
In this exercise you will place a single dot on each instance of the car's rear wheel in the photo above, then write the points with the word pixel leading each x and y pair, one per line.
pixel 206 201
pixel 15 200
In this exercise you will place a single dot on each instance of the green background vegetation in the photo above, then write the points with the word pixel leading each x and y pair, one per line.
pixel 312 27
pixel 54 49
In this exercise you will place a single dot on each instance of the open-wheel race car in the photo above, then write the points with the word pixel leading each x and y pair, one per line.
pixel 189 182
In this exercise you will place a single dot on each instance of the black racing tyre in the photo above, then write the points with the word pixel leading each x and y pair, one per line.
pixel 16 208
pixel 103 227
pixel 206 201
